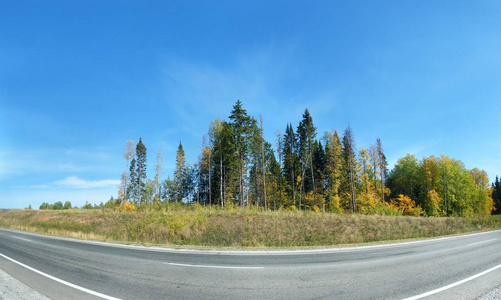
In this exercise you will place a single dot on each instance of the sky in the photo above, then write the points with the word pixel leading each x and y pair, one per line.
pixel 80 78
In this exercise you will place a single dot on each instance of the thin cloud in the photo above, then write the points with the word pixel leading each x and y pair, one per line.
pixel 75 182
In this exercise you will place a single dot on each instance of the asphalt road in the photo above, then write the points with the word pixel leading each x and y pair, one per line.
pixel 462 267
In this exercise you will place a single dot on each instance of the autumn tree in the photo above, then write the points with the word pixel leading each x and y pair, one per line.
pixel 334 164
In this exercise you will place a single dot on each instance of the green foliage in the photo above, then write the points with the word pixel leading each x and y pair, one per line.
pixel 87 206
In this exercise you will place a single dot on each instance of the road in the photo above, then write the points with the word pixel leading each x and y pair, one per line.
pixel 461 267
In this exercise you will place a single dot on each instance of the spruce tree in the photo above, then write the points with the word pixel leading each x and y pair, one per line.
pixel 496 196
pixel 132 187
pixel 179 173
pixel 140 171
pixel 290 162
pixel 349 154
pixel 242 129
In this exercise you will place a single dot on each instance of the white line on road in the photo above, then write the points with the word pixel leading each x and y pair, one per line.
pixel 21 239
pixel 61 281
pixel 453 284
pixel 481 242
pixel 215 267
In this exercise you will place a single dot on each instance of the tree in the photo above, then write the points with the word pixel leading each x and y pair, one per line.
pixel 128 155
pixel 132 188
pixel 57 205
pixel 496 195
pixel 404 179
pixel 383 171
pixel 263 162
pixel 158 171
pixel 241 124
pixel 179 173
pixel 291 162
pixel 67 205
pixel 334 169
pixel 349 154
pixel 140 171
pixel 306 133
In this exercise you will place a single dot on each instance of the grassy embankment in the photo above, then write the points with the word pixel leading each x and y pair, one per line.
pixel 199 226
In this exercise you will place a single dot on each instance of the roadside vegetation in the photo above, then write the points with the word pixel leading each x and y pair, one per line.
pixel 305 191
pixel 303 170
pixel 176 224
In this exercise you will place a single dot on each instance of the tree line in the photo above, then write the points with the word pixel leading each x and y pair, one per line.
pixel 305 171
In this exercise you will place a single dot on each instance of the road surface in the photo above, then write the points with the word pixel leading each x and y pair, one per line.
pixel 460 267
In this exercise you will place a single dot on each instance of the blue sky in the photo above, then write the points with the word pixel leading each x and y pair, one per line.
pixel 80 78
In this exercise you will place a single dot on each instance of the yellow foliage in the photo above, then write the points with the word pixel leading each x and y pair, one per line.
pixel 127 206
pixel 316 208
pixel 406 205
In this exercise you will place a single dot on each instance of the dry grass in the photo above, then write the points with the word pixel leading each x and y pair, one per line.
pixel 236 228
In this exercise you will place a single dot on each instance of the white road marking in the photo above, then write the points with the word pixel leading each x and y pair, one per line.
pixel 21 239
pixel 215 267
pixel 60 280
pixel 481 242
pixel 453 284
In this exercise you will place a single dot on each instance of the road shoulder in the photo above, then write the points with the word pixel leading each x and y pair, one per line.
pixel 13 289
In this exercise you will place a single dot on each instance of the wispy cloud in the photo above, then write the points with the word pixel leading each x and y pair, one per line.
pixel 14 162
pixel 74 182
pixel 263 78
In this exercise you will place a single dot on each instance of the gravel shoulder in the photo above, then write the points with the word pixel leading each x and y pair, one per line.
pixel 13 289
pixel 492 295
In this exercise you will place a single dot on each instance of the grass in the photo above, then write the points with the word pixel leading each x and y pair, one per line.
pixel 237 228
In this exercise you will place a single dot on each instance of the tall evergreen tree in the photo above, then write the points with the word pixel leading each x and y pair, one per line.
pixel 291 162
pixel 225 162
pixel 140 171
pixel 496 195
pixel 242 129
pixel 132 187
pixel 179 173
pixel 306 133
pixel 349 154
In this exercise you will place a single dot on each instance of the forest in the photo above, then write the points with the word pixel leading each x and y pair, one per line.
pixel 306 171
